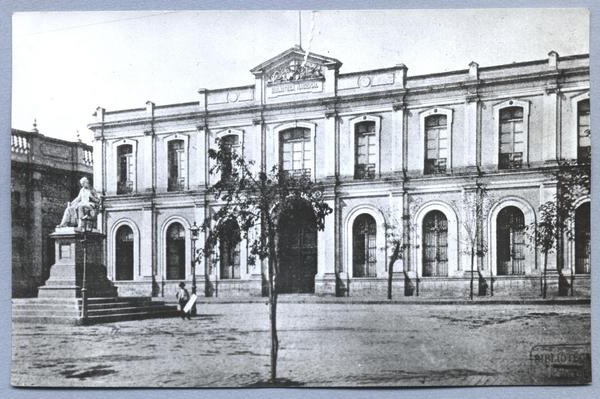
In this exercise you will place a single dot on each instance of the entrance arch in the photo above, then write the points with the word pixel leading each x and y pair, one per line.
pixel 297 249
pixel 510 241
pixel 175 252
pixel 435 244
pixel 124 253
pixel 364 245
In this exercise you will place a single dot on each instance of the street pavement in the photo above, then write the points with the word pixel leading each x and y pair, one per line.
pixel 321 344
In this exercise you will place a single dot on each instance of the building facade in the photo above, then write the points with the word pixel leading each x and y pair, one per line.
pixel 45 175
pixel 400 154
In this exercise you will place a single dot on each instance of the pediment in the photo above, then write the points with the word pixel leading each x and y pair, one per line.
pixel 290 66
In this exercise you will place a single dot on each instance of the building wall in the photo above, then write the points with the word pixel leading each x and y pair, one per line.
pixel 45 175
pixel 401 193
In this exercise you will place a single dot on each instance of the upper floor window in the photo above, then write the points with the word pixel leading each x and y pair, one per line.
pixel 125 169
pixel 177 165
pixel 584 149
pixel 436 144
pixel 365 157
pixel 296 154
pixel 512 138
pixel 230 144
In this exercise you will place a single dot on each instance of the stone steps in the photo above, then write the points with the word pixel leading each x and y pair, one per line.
pixel 100 310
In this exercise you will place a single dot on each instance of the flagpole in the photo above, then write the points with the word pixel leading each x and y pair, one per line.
pixel 300 28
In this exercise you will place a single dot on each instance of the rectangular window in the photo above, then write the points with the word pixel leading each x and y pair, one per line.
pixel 177 166
pixel 296 154
pixel 512 138
pixel 584 142
pixel 436 144
pixel 365 156
pixel 125 171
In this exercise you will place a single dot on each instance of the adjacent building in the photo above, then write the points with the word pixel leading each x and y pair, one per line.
pixel 45 175
pixel 392 151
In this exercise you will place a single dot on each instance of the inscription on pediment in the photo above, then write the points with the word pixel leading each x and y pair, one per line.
pixel 295 87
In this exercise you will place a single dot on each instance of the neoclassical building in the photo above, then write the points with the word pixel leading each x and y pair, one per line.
pixel 397 155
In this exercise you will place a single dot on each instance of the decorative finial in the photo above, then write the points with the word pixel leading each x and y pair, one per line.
pixel 78 137
pixel 35 129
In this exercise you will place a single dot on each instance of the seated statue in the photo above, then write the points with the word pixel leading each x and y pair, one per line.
pixel 83 207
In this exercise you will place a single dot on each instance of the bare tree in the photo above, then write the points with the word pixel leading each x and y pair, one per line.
pixel 572 183
pixel 250 207
pixel 475 206
pixel 395 239
pixel 544 236
pixel 398 232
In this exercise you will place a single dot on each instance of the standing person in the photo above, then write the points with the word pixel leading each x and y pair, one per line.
pixel 183 296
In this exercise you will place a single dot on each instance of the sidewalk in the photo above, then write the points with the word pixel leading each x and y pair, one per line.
pixel 410 300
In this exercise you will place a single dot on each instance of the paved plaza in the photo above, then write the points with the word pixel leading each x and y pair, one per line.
pixel 322 344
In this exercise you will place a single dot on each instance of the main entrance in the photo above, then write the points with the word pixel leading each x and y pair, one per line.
pixel 297 250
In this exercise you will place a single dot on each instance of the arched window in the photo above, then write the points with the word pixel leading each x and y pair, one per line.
pixel 175 252
pixel 295 151
pixel 436 144
pixel 177 165
pixel 125 169
pixel 584 141
pixel 229 250
pixel 512 138
pixel 364 247
pixel 365 157
pixel 230 144
pixel 124 254
pixel 510 241
pixel 582 239
pixel 435 244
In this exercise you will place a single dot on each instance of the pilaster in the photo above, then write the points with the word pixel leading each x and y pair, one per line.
pixel 550 125
pixel 146 234
pixel 397 135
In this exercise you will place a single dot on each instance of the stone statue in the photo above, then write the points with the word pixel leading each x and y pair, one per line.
pixel 83 207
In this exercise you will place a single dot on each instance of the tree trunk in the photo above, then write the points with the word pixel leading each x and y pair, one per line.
pixel 472 262
pixel 544 286
pixel 393 260
pixel 491 282
pixel 274 338
pixel 273 304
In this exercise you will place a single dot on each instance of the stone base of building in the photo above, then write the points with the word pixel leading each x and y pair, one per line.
pixel 328 284
pixel 211 288
pixel 138 288
pixel 238 288
pixel 403 285
pixel 582 285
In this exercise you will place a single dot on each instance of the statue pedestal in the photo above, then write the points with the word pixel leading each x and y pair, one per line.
pixel 66 274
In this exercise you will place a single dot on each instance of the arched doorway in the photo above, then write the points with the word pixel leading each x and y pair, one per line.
pixel 435 244
pixel 297 249
pixel 510 241
pixel 364 247
pixel 175 252
pixel 124 254
pixel 582 239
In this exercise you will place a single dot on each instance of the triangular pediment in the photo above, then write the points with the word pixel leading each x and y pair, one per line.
pixel 290 65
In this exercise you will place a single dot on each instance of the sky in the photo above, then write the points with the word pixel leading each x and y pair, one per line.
pixel 66 64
